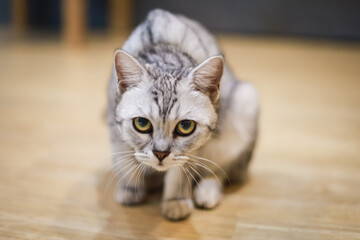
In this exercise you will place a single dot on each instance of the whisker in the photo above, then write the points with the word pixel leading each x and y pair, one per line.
pixel 113 154
pixel 144 167
pixel 181 158
pixel 103 174
pixel 107 170
pixel 196 171
pixel 137 181
pixel 198 175
pixel 121 157
pixel 119 167
pixel 192 177
pixel 187 177
pixel 209 170
pixel 214 163
pixel 140 154
pixel 121 179
pixel 132 175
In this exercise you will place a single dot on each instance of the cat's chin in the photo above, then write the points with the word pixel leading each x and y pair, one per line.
pixel 160 168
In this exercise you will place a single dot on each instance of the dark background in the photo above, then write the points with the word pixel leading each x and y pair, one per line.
pixel 332 19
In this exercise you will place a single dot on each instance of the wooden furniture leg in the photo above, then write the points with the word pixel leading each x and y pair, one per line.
pixel 74 21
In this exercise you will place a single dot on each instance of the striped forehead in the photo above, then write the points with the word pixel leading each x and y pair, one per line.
pixel 164 95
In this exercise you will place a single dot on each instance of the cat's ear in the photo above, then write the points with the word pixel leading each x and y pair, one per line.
pixel 207 75
pixel 128 69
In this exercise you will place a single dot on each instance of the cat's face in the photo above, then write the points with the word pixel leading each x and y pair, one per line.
pixel 162 117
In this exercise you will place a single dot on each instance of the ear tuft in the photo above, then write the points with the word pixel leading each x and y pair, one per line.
pixel 207 75
pixel 128 69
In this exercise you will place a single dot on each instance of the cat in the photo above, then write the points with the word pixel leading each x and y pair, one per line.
pixel 177 116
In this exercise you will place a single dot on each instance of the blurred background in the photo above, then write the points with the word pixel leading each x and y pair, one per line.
pixel 328 19
pixel 303 56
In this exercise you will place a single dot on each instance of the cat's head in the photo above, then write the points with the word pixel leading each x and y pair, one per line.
pixel 162 115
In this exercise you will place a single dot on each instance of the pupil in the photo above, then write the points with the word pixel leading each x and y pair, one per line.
pixel 142 122
pixel 185 124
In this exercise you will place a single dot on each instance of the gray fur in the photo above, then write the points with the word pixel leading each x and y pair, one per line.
pixel 165 55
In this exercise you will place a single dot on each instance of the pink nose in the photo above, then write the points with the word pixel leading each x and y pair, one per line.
pixel 161 155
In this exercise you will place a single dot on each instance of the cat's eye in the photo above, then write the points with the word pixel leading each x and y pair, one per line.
pixel 185 127
pixel 142 125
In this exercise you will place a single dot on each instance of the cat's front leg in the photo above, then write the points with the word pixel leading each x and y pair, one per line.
pixel 131 188
pixel 177 203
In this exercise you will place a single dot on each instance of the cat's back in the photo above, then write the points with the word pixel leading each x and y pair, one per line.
pixel 163 27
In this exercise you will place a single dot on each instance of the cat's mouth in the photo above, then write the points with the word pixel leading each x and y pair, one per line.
pixel 156 166
pixel 161 166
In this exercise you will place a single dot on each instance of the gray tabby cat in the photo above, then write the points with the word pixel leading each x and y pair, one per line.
pixel 178 116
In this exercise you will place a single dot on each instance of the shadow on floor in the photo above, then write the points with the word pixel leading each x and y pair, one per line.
pixel 142 221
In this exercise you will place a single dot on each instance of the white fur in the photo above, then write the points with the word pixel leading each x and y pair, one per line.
pixel 237 126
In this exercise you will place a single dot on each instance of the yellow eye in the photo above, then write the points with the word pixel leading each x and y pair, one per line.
pixel 142 125
pixel 185 127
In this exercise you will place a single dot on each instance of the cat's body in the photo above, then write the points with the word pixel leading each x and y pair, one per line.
pixel 171 75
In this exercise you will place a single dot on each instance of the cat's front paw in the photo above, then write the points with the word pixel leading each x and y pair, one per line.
pixel 130 196
pixel 208 194
pixel 177 209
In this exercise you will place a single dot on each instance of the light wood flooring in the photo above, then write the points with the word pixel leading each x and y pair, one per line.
pixel 304 179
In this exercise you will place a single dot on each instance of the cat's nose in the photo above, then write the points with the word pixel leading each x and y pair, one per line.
pixel 161 155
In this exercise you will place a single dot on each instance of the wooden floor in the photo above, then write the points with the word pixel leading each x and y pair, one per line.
pixel 304 180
